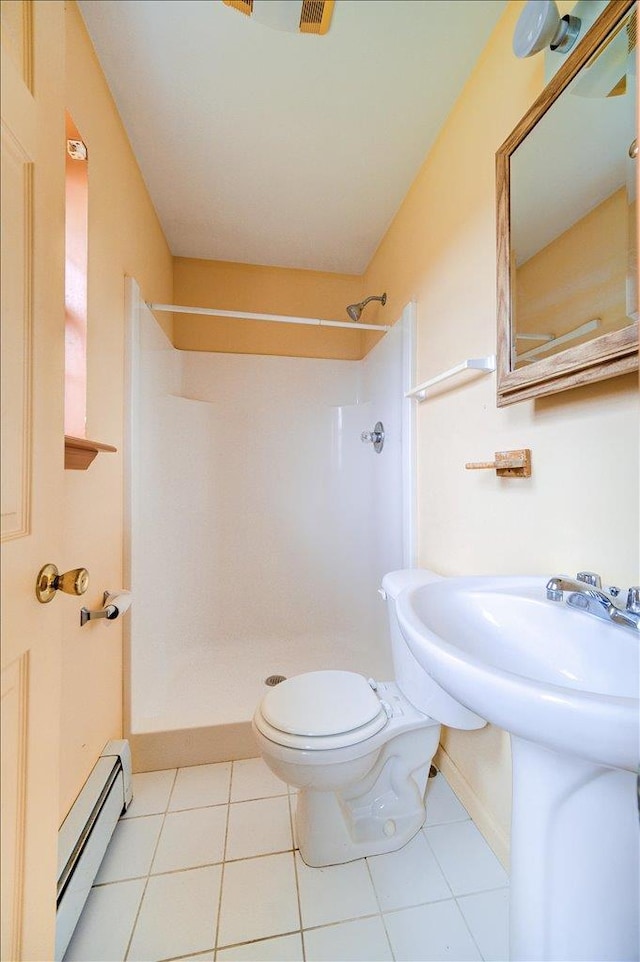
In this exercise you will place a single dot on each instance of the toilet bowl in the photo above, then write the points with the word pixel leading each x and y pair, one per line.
pixel 358 750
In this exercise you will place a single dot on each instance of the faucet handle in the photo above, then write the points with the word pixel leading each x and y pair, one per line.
pixel 633 600
pixel 590 578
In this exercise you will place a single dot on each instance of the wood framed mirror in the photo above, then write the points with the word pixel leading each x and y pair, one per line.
pixel 567 254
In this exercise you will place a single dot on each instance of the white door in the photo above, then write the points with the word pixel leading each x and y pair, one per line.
pixel 32 465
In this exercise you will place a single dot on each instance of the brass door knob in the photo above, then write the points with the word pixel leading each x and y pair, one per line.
pixel 49 580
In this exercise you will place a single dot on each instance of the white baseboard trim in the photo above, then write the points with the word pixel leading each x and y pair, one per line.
pixel 497 838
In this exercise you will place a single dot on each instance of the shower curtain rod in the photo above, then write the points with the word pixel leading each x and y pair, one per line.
pixel 278 318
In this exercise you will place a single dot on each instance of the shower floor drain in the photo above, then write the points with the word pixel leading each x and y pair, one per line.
pixel 274 680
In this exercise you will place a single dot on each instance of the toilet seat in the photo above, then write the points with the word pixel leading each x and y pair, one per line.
pixel 321 710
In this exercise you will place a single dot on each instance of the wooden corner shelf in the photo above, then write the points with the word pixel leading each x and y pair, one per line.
pixel 80 452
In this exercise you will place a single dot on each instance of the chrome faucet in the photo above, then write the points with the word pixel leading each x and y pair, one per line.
pixel 587 594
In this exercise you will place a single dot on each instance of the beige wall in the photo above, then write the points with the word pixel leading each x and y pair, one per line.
pixel 124 238
pixel 267 290
pixel 580 507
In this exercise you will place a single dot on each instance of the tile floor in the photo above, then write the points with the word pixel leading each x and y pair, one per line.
pixel 203 866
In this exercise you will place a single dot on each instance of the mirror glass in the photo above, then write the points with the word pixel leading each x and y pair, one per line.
pixel 572 210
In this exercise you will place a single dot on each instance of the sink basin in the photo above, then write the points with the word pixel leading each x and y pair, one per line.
pixel 537 668
pixel 564 683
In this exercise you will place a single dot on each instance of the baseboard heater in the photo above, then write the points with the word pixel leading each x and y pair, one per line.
pixel 85 833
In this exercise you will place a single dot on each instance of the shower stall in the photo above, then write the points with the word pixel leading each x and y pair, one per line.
pixel 259 526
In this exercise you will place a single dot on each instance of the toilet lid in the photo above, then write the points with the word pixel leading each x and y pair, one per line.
pixel 321 703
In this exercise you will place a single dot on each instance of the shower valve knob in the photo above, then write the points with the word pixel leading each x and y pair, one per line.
pixel 375 437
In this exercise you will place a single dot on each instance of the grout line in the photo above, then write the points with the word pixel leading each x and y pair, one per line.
pixel 189 955
pixel 146 884
pixel 250 858
pixel 460 895
pixel 231 782
pixel 450 821
pixel 427 824
pixel 295 873
pixel 177 958
pixel 174 811
pixel 264 938
pixel 438 863
pixel 419 905
pixel 257 798
pixel 378 903
pixel 224 854
pixel 494 888
pixel 356 918
pixel 468 928
pixel 206 805
pixel 171 871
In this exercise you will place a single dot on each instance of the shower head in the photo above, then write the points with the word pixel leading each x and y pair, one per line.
pixel 355 310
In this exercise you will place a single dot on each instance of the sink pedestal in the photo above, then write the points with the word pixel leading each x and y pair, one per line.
pixel 565 685
pixel 575 861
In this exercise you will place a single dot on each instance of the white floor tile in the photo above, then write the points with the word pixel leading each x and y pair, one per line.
pixel 466 859
pixel 431 933
pixel 487 915
pixel 409 876
pixel 130 850
pixel 104 928
pixel 335 893
pixel 285 948
pixel 260 915
pixel 259 899
pixel 191 838
pixel 200 786
pixel 362 940
pixel 178 915
pixel 259 827
pixel 151 791
pixel 251 778
pixel 442 803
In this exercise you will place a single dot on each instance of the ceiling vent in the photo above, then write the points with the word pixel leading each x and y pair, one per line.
pixel 294 16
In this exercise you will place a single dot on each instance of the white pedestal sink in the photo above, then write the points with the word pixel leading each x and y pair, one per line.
pixel 565 684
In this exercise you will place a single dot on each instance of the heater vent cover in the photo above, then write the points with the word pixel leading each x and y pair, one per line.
pixel 315 16
pixel 244 6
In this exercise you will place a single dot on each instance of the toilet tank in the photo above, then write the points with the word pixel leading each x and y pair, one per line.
pixel 412 680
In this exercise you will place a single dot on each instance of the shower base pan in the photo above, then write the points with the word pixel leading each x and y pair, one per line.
pixel 178 747
pixel 197 710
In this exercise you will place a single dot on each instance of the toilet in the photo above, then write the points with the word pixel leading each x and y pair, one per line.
pixel 358 750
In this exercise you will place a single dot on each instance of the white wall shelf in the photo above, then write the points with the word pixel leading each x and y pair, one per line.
pixel 486 364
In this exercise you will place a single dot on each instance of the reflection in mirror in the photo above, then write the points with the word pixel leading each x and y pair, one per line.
pixel 567 240
pixel 573 210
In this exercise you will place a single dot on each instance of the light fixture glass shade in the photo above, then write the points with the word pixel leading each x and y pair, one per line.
pixel 536 27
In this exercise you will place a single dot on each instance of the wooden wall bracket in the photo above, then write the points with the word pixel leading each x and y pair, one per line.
pixel 507 464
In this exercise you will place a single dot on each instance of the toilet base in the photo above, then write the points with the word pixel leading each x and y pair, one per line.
pixel 379 814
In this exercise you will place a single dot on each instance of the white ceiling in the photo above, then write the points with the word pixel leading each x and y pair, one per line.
pixel 281 149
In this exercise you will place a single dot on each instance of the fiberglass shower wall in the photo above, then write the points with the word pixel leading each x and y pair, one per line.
pixel 261 524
